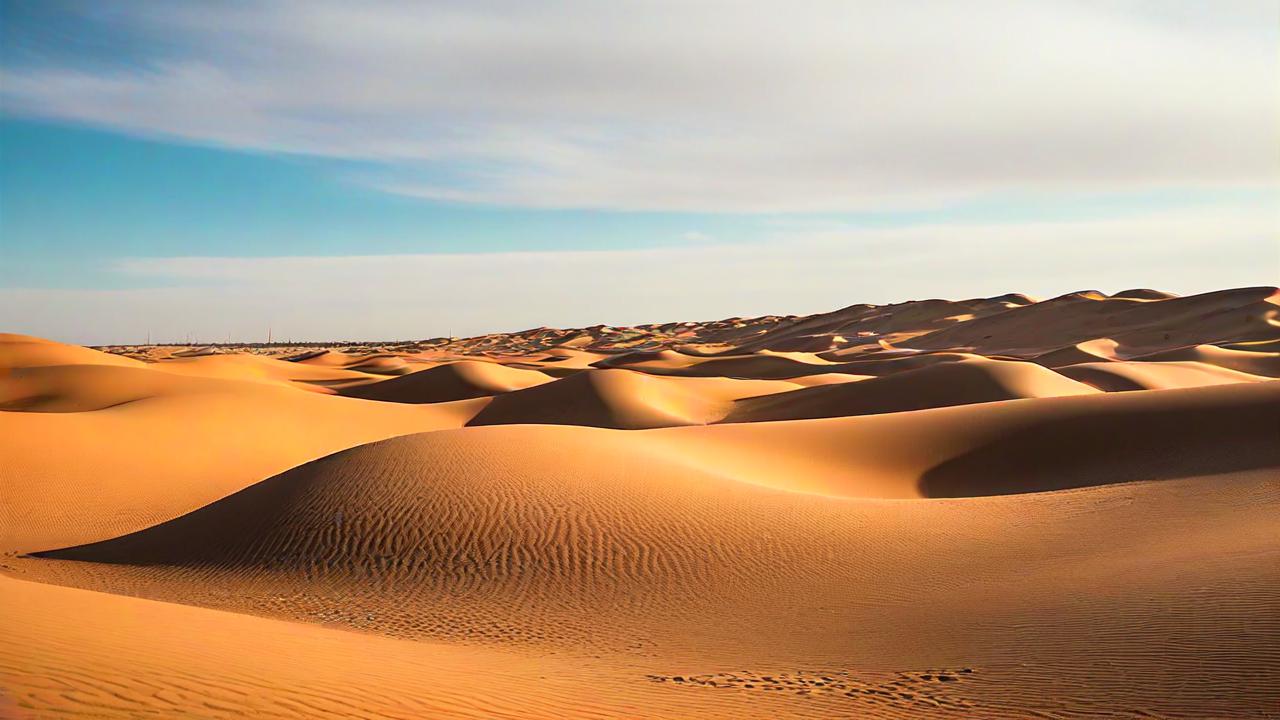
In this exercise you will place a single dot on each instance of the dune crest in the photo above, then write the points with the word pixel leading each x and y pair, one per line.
pixel 461 380
pixel 941 385
pixel 992 507
pixel 616 398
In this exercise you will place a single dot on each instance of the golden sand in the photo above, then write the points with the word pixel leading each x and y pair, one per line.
pixel 993 508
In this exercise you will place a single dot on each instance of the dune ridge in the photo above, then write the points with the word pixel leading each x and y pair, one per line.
pixel 489 536
pixel 461 380
pixel 622 399
pixel 994 507
pixel 937 385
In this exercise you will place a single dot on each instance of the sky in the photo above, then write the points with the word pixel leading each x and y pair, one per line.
pixel 328 170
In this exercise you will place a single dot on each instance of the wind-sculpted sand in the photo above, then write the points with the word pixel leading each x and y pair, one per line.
pixel 461 380
pixel 995 508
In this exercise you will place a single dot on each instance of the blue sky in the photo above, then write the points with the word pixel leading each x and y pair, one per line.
pixel 697 160
pixel 75 198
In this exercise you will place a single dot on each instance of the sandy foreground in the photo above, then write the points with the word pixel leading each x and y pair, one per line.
pixel 993 508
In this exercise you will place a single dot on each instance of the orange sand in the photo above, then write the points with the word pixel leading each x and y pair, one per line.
pixel 990 508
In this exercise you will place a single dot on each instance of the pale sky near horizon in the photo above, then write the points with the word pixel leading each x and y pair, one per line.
pixel 396 170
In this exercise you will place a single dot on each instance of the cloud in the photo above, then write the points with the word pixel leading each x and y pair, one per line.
pixel 732 106
pixel 417 296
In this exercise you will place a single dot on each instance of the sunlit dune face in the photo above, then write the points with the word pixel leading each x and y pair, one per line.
pixel 771 517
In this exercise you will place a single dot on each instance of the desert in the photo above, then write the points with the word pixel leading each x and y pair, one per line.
pixel 1002 507
pixel 639 360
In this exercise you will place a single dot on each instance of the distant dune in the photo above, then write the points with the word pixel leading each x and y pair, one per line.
pixel 461 380
pixel 616 398
pixel 986 508
pixel 935 385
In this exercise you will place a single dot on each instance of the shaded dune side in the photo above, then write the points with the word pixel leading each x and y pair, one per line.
pixel 486 524
pixel 786 367
pixel 662 358
pixel 622 399
pixel 461 380
pixel 373 363
pixel 327 358
pixel 1209 430
pixel 1245 361
pixel 81 388
pixel 1126 376
pixel 880 366
pixel 171 444
pixel 1227 315
pixel 820 332
pixel 1099 350
pixel 1160 435
pixel 661 549
pixel 413 500
pixel 933 386
pixel 1144 294
pixel 384 365
pixel 1264 346
pixel 756 367
pixel 264 369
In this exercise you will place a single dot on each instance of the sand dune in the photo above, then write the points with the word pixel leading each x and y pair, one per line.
pixel 1265 345
pixel 1089 351
pixel 253 367
pixel 830 378
pixel 888 363
pixel 1134 324
pixel 452 381
pixel 890 322
pixel 23 351
pixel 1011 447
pixel 991 508
pixel 1143 294
pixel 749 367
pixel 170 443
pixel 938 385
pixel 651 358
pixel 680 541
pixel 1126 376
pixel 326 358
pixel 617 398
pixel 374 363
pixel 82 388
pixel 1266 363
pixel 557 362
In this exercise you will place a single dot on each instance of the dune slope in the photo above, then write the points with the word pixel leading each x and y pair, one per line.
pixel 623 399
pixel 512 536
pixel 1126 376
pixel 461 380
pixel 24 351
pixel 114 449
pixel 941 385
pixel 983 508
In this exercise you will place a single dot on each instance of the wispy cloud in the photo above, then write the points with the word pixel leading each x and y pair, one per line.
pixel 741 106
pixel 413 296
pixel 696 236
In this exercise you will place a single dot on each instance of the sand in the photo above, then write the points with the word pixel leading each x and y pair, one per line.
pixel 991 508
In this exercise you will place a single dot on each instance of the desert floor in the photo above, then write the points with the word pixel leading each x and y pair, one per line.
pixel 992 508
